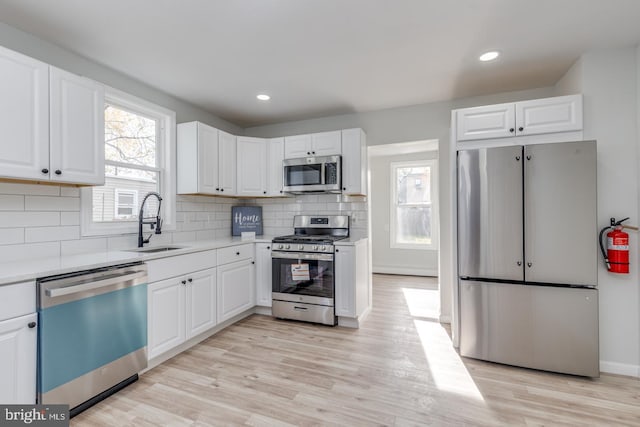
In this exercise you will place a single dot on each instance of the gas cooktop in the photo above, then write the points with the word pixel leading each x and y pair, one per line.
pixel 293 238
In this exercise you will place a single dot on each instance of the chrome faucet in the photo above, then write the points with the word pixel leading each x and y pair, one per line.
pixel 157 222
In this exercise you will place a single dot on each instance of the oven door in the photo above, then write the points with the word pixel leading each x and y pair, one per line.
pixel 303 277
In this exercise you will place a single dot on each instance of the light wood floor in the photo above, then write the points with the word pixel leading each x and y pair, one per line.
pixel 398 369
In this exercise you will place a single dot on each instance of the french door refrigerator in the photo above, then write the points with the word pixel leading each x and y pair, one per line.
pixel 527 256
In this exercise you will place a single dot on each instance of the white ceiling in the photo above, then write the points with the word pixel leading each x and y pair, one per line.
pixel 324 57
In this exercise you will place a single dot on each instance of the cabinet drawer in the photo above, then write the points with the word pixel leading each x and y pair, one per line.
pixel 165 268
pixel 17 300
pixel 235 253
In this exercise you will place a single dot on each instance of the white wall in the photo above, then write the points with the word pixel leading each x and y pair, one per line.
pixel 385 258
pixel 412 123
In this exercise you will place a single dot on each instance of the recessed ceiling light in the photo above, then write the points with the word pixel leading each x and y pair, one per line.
pixel 263 97
pixel 489 56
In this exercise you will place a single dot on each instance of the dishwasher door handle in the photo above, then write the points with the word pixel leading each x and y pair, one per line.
pixel 74 289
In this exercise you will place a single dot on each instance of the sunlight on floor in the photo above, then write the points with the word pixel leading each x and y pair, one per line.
pixel 448 371
pixel 422 302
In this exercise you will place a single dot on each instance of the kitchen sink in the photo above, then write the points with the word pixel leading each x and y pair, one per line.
pixel 156 249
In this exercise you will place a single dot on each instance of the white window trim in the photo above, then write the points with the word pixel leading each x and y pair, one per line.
pixel 433 164
pixel 116 204
pixel 166 159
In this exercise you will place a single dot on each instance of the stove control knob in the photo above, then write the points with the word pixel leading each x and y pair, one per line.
pixel 288 247
pixel 301 247
pixel 315 248
pixel 280 246
pixel 322 248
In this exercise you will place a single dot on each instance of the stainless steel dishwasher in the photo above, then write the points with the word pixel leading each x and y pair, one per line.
pixel 92 338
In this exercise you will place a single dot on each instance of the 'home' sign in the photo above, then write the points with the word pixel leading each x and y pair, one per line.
pixel 246 218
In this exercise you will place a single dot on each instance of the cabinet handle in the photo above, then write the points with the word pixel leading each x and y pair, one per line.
pixel 512 130
pixel 217 189
pixel 520 128
pixel 184 282
pixel 237 253
pixel 45 170
pixel 58 172
pixel 32 325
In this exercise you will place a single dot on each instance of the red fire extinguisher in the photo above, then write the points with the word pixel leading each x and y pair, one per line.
pixel 616 258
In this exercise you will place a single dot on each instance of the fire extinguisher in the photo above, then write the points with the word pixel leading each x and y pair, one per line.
pixel 616 257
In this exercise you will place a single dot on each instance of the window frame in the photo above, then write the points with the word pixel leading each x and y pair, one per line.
pixel 165 162
pixel 432 164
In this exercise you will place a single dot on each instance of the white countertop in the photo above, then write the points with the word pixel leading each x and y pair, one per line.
pixel 30 269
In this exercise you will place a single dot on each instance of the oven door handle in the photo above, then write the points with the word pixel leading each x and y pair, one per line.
pixel 301 256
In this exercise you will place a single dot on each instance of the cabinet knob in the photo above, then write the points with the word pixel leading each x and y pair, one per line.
pixel 280 191
pixel 222 189
pixel 337 250
pixel 344 188
pixel 519 263
pixel 528 157
pixel 45 170
pixel 268 247
pixel 264 192
pixel 32 325
pixel 253 262
pixel 217 189
pixel 512 130
pixel 58 172
pixel 190 280
pixel 517 158
pixel 529 264
pixel 308 152
pixel 520 128
pixel 237 253
pixel 184 282
pixel 313 152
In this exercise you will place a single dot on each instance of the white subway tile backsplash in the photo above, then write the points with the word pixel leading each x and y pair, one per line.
pixel 51 234
pixel 28 219
pixel 184 236
pixel 10 253
pixel 11 202
pixel 47 203
pixel 122 242
pixel 11 236
pixel 73 247
pixel 205 234
pixel 69 218
pixel 29 189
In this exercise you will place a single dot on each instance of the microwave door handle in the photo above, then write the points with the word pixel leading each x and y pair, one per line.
pixel 323 173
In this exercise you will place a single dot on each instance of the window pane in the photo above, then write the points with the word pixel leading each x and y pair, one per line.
pixel 413 185
pixel 413 224
pixel 104 198
pixel 129 138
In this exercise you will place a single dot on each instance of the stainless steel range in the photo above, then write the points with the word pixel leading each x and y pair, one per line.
pixel 303 271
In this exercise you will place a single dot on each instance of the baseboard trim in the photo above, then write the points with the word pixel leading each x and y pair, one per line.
pixel 354 322
pixel 620 369
pixel 408 271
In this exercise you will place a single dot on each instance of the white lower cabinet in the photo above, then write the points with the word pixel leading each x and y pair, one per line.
pixel 236 289
pixel 18 344
pixel 353 286
pixel 263 274
pixel 179 309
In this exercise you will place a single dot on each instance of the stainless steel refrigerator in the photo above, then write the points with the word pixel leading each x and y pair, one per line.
pixel 527 256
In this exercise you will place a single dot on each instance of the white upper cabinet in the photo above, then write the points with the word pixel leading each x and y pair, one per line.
pixel 549 115
pixel 24 121
pixel 316 144
pixel 227 163
pixel 52 123
pixel 538 116
pixel 275 168
pixel 354 162
pixel 206 160
pixel 77 129
pixel 252 166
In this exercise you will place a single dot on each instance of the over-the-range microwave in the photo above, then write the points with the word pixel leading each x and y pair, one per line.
pixel 322 174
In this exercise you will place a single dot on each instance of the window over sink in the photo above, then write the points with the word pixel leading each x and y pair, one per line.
pixel 139 158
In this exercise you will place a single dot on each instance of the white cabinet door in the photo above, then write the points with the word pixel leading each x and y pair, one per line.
pixel 354 162
pixel 77 129
pixel 24 121
pixel 227 163
pixel 263 274
pixel 166 315
pixel 297 146
pixel 274 167
pixel 18 343
pixel 491 121
pixel 345 281
pixel 236 290
pixel 207 159
pixel 252 166
pixel 326 143
pixel 549 115
pixel 201 302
